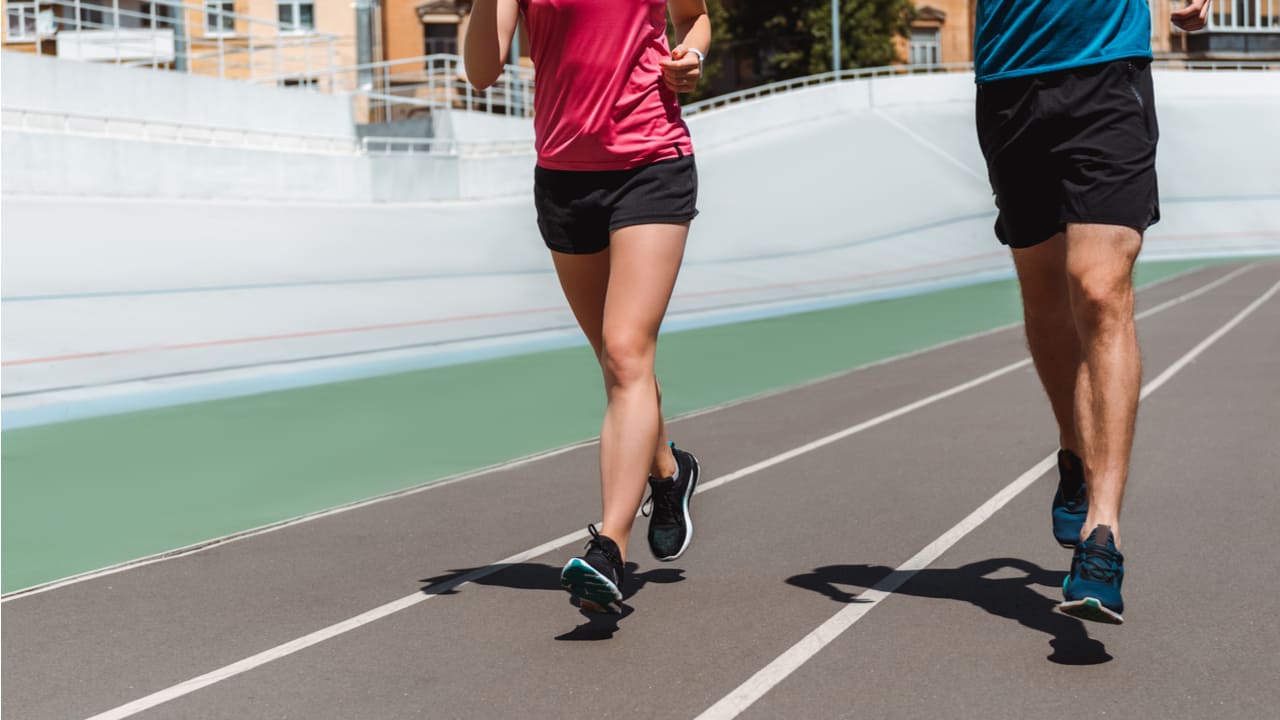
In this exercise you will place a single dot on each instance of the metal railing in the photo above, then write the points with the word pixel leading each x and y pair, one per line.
pixel 444 147
pixel 782 86
pixel 397 89
pixel 1245 16
pixel 127 128
pixel 199 38
pixel 163 131
pixel 800 83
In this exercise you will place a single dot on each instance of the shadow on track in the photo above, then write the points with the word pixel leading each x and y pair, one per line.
pixel 1008 596
pixel 537 576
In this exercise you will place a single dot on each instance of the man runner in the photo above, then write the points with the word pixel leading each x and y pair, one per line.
pixel 1066 120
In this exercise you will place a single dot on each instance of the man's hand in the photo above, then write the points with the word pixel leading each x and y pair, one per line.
pixel 1194 16
pixel 682 71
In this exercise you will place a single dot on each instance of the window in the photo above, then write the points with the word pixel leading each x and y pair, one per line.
pixel 440 38
pixel 21 19
pixel 91 17
pixel 219 23
pixel 925 46
pixel 153 12
pixel 296 15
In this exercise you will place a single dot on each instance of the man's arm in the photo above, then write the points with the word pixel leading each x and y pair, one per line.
pixel 1194 16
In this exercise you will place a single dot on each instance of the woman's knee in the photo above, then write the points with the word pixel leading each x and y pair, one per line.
pixel 627 358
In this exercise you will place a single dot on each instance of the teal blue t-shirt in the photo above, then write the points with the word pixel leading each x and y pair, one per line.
pixel 1028 37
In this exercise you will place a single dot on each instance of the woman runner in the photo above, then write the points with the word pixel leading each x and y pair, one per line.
pixel 615 189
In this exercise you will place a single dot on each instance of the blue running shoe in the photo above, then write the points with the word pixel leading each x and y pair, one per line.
pixel 1071 502
pixel 595 579
pixel 1092 590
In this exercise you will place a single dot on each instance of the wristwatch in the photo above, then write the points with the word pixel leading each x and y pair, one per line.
pixel 702 59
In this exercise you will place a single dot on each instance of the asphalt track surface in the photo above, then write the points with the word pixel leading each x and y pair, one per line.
pixel 787 604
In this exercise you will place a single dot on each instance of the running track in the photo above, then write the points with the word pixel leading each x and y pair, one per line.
pixel 787 605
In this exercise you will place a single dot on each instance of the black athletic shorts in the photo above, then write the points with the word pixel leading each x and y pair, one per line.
pixel 577 210
pixel 1073 146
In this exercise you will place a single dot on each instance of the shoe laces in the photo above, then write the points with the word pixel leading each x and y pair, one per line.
pixel 661 505
pixel 1097 564
pixel 608 550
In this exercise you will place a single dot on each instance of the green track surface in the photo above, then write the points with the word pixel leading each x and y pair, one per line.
pixel 91 493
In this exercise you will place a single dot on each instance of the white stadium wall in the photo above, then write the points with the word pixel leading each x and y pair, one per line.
pixel 298 267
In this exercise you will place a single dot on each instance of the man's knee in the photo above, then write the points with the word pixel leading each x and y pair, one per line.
pixel 1101 296
pixel 1100 261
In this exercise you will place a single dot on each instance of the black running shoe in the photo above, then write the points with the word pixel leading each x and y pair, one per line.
pixel 1071 502
pixel 670 524
pixel 595 579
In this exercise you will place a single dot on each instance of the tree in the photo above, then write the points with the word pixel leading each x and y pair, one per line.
pixel 867 32
pixel 790 38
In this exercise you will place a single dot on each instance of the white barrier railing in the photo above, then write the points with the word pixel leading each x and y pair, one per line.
pixel 126 128
pixel 395 88
pixel 444 147
pixel 783 86
pixel 1245 16
pixel 28 120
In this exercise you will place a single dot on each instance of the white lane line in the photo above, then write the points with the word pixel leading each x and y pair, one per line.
pixel 746 694
pixel 518 462
pixel 319 636
pixel 1195 352
pixel 930 145
pixel 293 646
pixel 1195 293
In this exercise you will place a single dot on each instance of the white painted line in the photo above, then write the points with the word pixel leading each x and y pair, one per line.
pixel 264 529
pixel 742 697
pixel 306 641
pixel 319 636
pixel 1195 293
pixel 1195 352
pixel 866 425
pixel 518 462
pixel 746 694
pixel 929 145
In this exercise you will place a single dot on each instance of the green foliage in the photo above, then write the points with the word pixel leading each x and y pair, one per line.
pixel 779 39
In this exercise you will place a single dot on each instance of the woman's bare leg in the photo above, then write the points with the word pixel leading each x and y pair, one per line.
pixel 621 317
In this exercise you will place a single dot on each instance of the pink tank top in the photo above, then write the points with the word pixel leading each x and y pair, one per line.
pixel 599 99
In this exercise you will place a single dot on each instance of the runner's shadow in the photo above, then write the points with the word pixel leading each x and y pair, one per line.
pixel 602 626
pixel 1013 597
pixel 537 576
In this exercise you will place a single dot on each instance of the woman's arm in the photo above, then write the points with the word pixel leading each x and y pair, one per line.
pixel 493 23
pixel 693 31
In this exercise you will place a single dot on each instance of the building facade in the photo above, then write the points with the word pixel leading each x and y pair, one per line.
pixel 288 40
pixel 413 28
pixel 303 42
pixel 941 33
pixel 1239 30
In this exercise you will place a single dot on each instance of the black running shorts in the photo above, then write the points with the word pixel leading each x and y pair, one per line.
pixel 578 210
pixel 1074 146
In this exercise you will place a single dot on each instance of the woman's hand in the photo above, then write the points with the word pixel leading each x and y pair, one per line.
pixel 682 71
pixel 693 31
